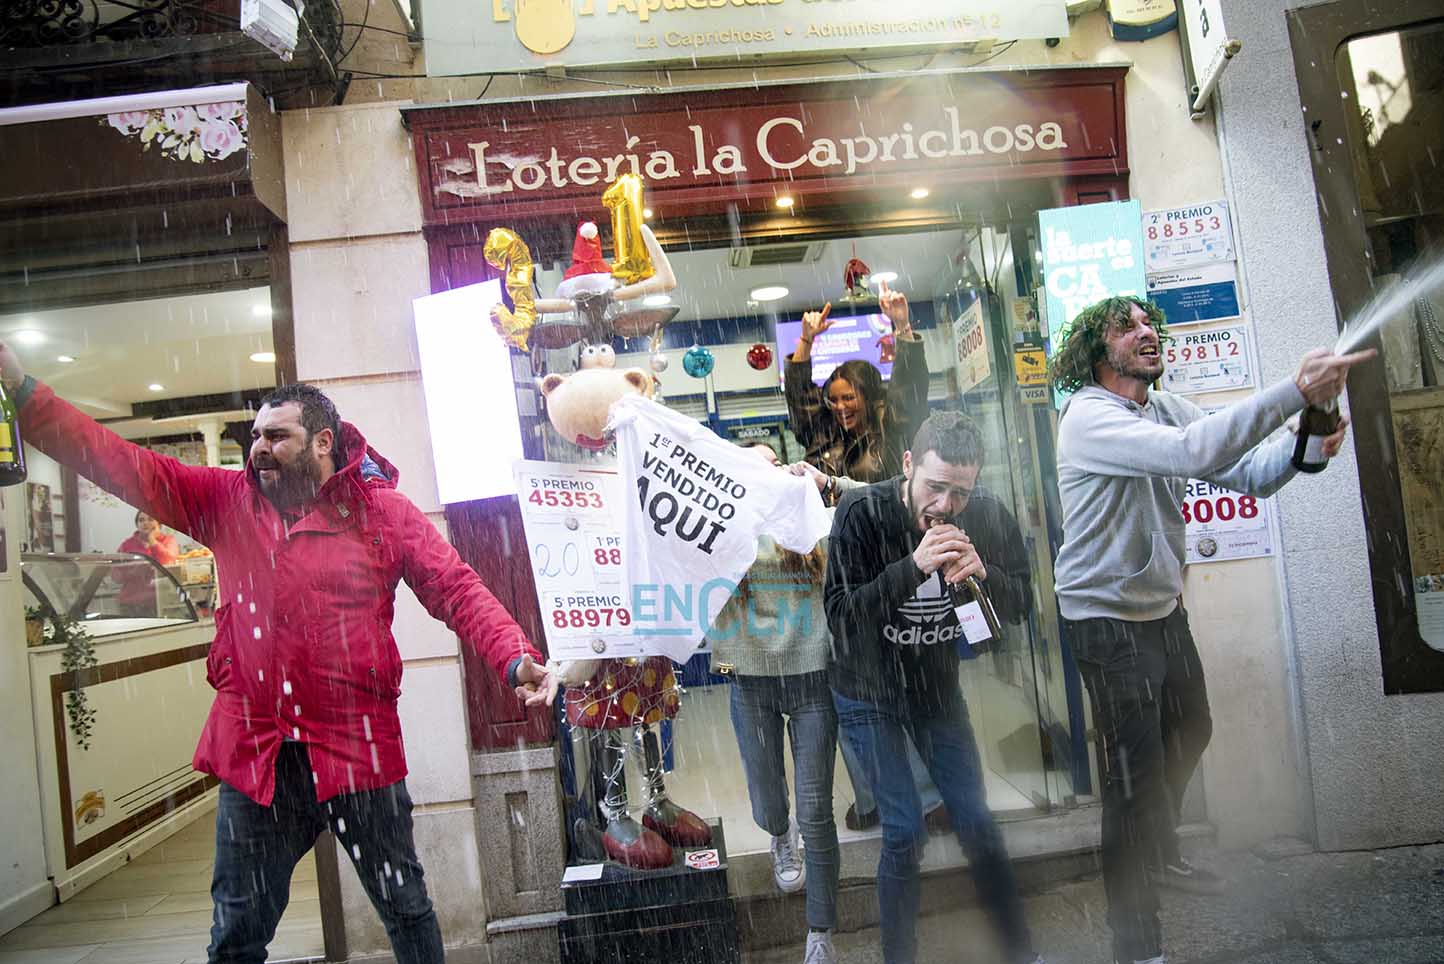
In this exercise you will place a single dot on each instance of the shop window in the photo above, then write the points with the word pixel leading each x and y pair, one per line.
pixel 1392 85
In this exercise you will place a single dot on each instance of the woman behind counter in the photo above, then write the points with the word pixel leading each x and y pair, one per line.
pixel 137 582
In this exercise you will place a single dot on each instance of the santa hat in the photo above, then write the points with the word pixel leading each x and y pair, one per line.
pixel 587 253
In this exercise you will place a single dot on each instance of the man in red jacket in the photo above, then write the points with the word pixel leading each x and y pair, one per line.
pixel 310 542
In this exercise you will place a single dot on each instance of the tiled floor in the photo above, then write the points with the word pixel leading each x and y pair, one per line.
pixel 157 910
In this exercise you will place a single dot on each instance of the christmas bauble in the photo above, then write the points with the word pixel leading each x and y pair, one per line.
pixel 659 362
pixel 759 356
pixel 698 362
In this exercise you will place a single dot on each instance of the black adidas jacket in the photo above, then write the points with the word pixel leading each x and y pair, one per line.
pixel 894 634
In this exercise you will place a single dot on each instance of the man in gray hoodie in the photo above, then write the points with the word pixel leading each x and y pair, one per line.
pixel 1125 454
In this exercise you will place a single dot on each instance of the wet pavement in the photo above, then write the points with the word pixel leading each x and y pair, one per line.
pixel 1368 907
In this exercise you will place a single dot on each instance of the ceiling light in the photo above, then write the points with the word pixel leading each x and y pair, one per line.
pixel 646 212
pixel 64 359
pixel 157 387
pixel 264 357
pixel 29 336
pixel 768 293
pixel 918 193
pixel 882 277
pixel 785 201
pixel 657 301
pixel 261 311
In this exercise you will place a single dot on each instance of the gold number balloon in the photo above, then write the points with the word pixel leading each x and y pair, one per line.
pixel 505 250
pixel 624 199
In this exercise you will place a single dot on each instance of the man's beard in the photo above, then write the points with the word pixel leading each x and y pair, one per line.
pixel 294 483
pixel 910 503
pixel 1136 368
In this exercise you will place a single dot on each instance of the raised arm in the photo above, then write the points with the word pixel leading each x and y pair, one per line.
pixel 1095 435
pixel 807 413
pixel 182 496
pixel 907 390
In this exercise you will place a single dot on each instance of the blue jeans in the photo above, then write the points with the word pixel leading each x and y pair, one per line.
pixel 879 736
pixel 759 704
pixel 927 791
pixel 257 849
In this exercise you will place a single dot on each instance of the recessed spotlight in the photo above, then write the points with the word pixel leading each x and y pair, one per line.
pixel 157 387
pixel 918 193
pixel 882 277
pixel 29 336
pixel 64 359
pixel 264 357
pixel 646 212
pixel 768 293
pixel 261 311
pixel 785 201
pixel 657 301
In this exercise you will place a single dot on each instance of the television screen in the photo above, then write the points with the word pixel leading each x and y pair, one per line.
pixel 849 337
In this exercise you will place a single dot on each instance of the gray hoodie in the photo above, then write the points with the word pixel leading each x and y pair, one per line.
pixel 1122 470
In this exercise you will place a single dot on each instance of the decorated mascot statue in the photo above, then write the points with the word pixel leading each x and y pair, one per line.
pixel 618 703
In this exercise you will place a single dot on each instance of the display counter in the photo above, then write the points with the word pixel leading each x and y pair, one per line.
pixel 133 785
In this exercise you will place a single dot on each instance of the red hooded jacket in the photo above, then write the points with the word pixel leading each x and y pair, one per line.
pixel 303 646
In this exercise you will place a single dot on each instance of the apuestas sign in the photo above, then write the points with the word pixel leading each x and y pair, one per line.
pixel 735 144
pixel 466 37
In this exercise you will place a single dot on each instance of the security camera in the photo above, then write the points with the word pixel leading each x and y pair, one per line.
pixel 273 23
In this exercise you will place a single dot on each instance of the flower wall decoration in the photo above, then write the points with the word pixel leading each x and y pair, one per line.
pixel 200 133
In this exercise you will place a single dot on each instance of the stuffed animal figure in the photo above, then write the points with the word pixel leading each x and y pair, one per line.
pixel 577 404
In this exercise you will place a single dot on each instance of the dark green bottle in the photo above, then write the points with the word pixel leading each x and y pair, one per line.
pixel 12 452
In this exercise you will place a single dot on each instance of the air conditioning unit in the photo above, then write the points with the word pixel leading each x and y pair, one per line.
pixel 775 255
pixel 273 23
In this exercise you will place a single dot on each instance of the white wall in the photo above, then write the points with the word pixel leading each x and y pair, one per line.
pixel 24 888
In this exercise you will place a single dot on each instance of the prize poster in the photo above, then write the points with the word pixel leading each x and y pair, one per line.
pixel 572 516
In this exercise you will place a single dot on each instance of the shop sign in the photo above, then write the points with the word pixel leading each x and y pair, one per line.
pixel 703 859
pixel 829 141
pixel 1193 295
pixel 1208 361
pixel 970 347
pixel 1031 367
pixel 464 37
pixel 571 514
pixel 1209 47
pixel 1187 236
pixel 1221 525
pixel 1090 252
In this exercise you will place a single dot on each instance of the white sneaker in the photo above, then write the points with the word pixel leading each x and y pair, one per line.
pixel 788 871
pixel 819 948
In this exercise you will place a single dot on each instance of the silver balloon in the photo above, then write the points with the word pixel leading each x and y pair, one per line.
pixel 659 362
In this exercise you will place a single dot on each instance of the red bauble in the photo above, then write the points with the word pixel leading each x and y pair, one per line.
pixel 759 356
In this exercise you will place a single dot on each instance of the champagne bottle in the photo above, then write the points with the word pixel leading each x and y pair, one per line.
pixel 1315 424
pixel 976 615
pixel 12 452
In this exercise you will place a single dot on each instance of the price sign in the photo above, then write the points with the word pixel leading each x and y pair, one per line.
pixel 1208 361
pixel 1181 237
pixel 1221 525
pixel 572 517
pixel 970 346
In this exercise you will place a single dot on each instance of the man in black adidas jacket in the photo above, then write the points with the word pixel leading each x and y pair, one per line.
pixel 895 548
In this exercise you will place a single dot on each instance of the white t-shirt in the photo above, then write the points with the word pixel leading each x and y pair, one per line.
pixel 696 505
